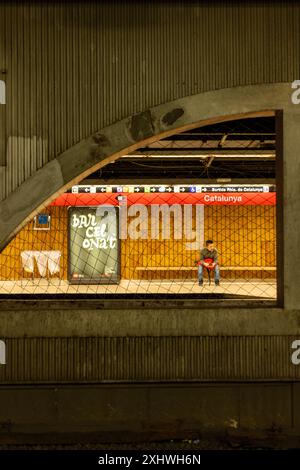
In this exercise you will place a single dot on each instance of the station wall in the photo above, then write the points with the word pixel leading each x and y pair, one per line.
pixel 244 235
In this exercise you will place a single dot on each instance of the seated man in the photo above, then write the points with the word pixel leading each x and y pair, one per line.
pixel 210 254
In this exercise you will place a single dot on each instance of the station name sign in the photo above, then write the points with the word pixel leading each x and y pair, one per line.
pixel 238 189
pixel 96 195
pixel 232 199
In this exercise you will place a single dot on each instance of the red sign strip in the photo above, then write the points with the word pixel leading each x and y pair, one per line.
pixel 216 199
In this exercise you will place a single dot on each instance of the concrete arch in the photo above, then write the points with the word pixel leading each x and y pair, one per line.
pixel 127 135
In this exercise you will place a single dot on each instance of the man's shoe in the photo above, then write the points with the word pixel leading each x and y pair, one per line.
pixel 217 283
pixel 200 283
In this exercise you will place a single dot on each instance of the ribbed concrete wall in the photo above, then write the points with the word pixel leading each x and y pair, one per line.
pixel 72 69
pixel 147 359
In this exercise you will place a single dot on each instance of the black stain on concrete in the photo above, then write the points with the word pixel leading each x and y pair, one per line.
pixel 141 126
pixel 101 139
pixel 97 152
pixel 172 116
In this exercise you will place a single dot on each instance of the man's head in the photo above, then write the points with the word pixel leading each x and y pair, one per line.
pixel 209 245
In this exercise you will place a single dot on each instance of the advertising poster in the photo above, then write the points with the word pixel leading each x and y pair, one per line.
pixel 93 245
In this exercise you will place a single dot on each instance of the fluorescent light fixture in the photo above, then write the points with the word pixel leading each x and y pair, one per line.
pixel 202 156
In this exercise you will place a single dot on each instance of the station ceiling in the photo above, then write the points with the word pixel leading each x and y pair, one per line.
pixel 240 149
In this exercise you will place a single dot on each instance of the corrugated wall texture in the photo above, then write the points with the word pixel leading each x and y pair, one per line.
pixel 101 359
pixel 72 69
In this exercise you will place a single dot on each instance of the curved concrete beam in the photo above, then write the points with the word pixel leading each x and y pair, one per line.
pixel 126 136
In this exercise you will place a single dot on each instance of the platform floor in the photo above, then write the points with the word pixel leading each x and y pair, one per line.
pixel 247 288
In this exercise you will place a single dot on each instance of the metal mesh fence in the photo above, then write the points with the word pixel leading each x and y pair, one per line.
pixel 141 225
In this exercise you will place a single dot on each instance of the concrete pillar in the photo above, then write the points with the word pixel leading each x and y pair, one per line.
pixel 291 206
